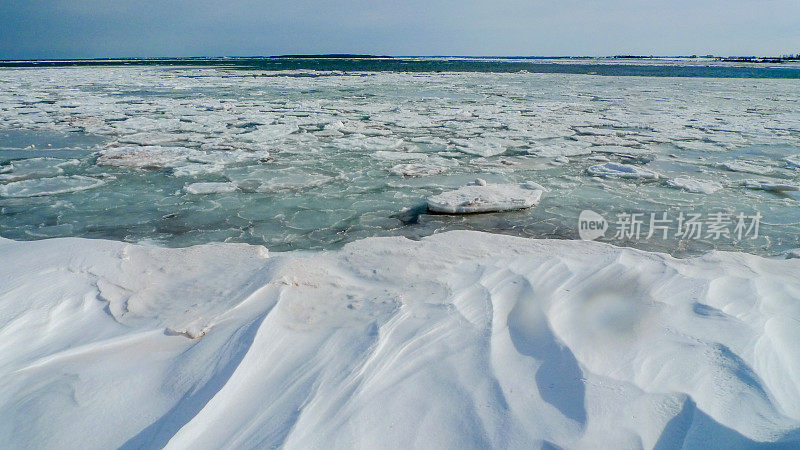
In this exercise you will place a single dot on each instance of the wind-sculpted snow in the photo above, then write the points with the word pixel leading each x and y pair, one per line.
pixel 460 340
pixel 321 158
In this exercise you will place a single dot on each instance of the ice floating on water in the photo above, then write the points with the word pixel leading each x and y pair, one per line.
pixel 193 170
pixel 480 146
pixel 766 185
pixel 231 157
pixel 695 185
pixel 145 157
pixel 25 169
pixel 399 156
pixel 266 179
pixel 793 161
pixel 417 170
pixel 617 170
pixel 49 186
pixel 482 197
pixel 563 148
pixel 210 188
pixel 746 167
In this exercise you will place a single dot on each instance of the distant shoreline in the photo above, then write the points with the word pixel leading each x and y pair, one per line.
pixel 740 59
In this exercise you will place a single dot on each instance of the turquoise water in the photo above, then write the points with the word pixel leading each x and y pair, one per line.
pixel 319 153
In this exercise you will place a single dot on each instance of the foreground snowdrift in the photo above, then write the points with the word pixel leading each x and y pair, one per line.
pixel 460 340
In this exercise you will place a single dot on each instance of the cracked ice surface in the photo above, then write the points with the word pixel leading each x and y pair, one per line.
pixel 315 161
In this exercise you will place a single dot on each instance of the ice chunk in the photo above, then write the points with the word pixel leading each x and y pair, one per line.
pixel 793 161
pixel 25 169
pixel 49 186
pixel 210 188
pixel 193 170
pixel 766 185
pixel 417 170
pixel 398 156
pixel 565 148
pixel 617 170
pixel 694 185
pixel 266 179
pixel 480 146
pixel 746 167
pixel 485 198
pixel 144 157
pixel 231 157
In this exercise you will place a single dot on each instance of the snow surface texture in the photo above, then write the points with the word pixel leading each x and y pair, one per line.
pixel 482 197
pixel 460 340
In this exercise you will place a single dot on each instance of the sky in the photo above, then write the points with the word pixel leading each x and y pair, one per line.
pixel 47 29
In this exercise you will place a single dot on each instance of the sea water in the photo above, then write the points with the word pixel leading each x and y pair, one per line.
pixel 311 154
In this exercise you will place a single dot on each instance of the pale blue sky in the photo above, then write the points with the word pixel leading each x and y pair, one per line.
pixel 136 28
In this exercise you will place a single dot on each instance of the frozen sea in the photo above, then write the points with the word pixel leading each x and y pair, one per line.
pixel 312 154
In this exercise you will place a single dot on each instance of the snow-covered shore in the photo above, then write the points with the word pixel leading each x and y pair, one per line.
pixel 460 340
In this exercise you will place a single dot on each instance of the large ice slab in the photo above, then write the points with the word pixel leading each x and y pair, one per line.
pixel 483 197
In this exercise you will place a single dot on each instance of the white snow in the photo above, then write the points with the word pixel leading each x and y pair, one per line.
pixel 694 185
pixel 210 188
pixel 617 170
pixel 459 340
pixel 481 197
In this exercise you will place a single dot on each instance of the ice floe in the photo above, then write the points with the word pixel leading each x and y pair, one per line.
pixel 482 197
pixel 768 185
pixel 210 188
pixel 746 167
pixel 418 170
pixel 694 185
pixel 24 169
pixel 617 170
pixel 49 186
pixel 144 157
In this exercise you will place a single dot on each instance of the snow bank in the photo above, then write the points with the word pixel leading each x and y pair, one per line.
pixel 459 340
pixel 483 197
